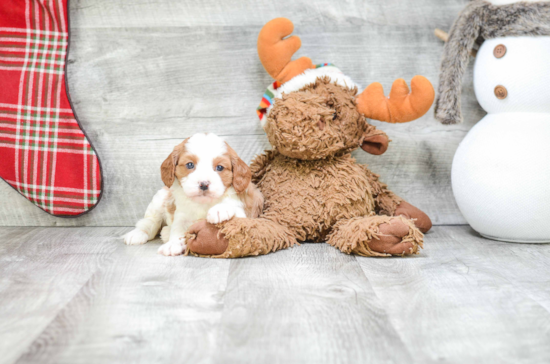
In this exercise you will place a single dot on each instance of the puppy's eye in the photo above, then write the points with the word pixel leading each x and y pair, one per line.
pixel 334 116
pixel 190 165
pixel 219 168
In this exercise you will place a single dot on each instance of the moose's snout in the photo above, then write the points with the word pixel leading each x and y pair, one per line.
pixel 204 185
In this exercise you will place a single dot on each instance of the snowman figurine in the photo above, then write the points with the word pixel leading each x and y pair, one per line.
pixel 501 170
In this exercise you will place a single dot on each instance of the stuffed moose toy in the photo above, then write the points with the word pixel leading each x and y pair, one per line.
pixel 313 189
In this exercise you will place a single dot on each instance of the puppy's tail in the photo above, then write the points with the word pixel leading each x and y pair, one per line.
pixel 154 215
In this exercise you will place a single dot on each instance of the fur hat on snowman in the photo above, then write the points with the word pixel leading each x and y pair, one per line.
pixel 484 20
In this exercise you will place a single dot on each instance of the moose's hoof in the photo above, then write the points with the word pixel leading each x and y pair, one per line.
pixel 421 220
pixel 208 240
pixel 390 239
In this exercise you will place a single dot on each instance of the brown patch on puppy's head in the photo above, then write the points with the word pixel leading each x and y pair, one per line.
pixel 226 174
pixel 318 121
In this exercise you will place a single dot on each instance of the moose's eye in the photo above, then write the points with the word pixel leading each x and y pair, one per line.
pixel 190 165
pixel 219 168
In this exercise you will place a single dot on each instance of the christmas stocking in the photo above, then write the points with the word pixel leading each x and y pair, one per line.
pixel 44 154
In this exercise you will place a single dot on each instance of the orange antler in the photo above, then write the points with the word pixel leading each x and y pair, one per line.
pixel 275 52
pixel 402 105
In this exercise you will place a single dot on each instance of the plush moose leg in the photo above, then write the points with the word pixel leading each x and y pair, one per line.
pixel 376 236
pixel 421 220
pixel 238 237
pixel 388 203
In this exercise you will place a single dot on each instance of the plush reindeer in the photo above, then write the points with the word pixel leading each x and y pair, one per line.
pixel 314 190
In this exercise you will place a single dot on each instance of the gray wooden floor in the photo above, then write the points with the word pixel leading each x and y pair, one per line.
pixel 78 295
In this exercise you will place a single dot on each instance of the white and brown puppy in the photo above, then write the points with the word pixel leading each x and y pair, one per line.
pixel 204 178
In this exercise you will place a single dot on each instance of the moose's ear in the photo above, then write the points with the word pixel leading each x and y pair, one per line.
pixel 375 144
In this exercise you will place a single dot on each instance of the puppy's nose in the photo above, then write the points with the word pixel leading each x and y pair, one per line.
pixel 204 185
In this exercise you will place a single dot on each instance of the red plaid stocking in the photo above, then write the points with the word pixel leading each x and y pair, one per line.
pixel 44 154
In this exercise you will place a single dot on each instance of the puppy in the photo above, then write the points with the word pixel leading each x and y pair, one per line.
pixel 204 178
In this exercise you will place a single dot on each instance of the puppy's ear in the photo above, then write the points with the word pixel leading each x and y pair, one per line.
pixel 168 167
pixel 241 172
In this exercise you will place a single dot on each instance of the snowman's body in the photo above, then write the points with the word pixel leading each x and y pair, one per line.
pixel 501 170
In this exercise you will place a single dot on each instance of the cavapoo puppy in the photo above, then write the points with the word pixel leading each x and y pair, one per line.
pixel 205 179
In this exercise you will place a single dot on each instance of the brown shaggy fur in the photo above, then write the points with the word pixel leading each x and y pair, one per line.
pixel 313 189
pixel 309 197
pixel 385 200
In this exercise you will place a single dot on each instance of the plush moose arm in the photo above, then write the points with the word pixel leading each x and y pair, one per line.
pixel 260 163
pixel 374 141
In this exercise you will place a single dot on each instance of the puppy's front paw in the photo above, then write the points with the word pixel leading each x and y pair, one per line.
pixel 136 237
pixel 220 213
pixel 173 247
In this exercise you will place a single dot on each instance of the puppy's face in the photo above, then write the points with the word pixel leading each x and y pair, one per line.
pixel 205 167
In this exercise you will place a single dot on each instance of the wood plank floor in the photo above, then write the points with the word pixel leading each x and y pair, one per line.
pixel 79 295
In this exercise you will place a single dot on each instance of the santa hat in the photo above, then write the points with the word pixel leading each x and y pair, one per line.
pixel 276 89
pixel 485 19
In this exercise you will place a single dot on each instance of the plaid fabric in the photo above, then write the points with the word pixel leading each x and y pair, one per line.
pixel 43 152
pixel 267 98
